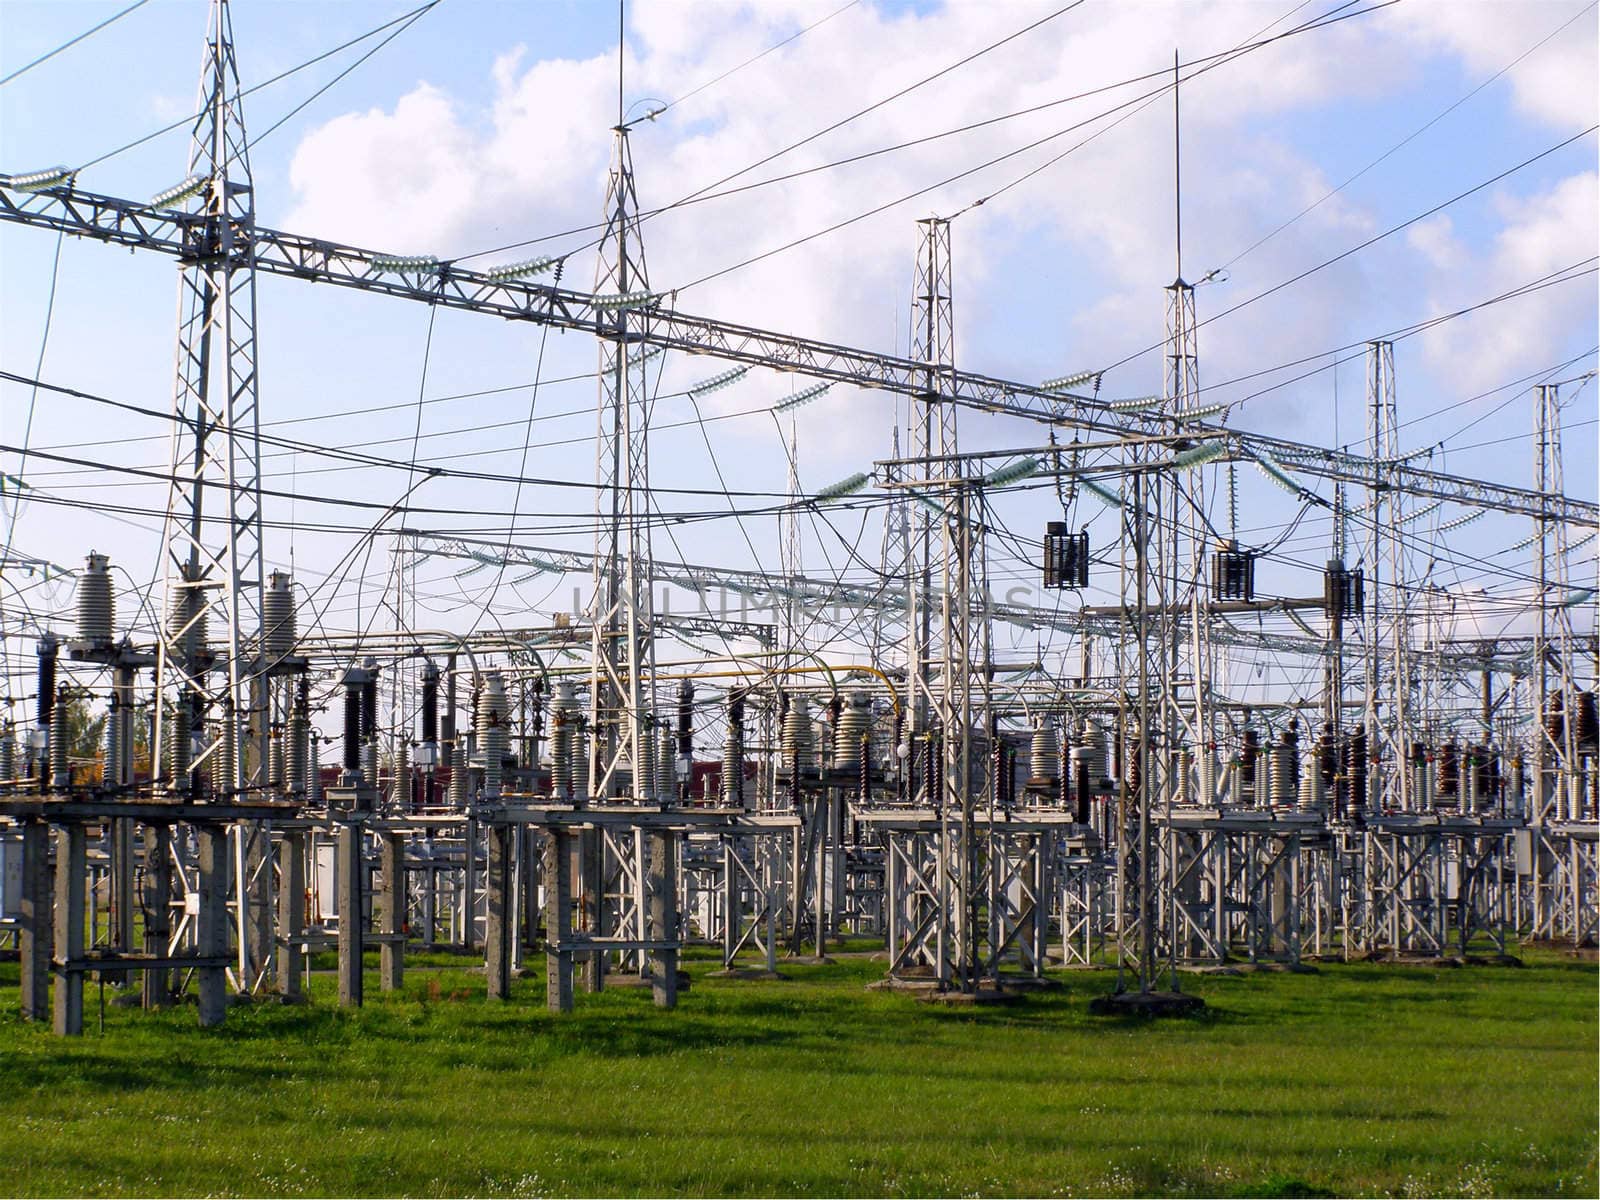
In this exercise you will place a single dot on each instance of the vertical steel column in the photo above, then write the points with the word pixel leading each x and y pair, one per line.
pixel 1145 757
pixel 1181 588
pixel 1186 724
pixel 588 849
pixel 732 907
pixel 957 652
pixel 933 436
pixel 1554 756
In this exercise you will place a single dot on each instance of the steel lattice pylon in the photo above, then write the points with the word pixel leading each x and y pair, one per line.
pixel 790 631
pixel 1185 642
pixel 894 563
pixel 1388 678
pixel 933 439
pixel 214 566
pixel 210 684
pixel 946 678
pixel 1555 756
pixel 622 665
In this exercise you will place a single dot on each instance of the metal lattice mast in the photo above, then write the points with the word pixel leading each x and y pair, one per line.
pixel 1189 664
pixel 941 665
pixel 789 635
pixel 1388 629
pixel 1554 744
pixel 1188 649
pixel 932 435
pixel 1334 674
pixel 1187 667
pixel 894 558
pixel 622 654
pixel 212 533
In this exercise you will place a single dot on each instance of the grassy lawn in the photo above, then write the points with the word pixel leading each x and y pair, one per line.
pixel 1359 1079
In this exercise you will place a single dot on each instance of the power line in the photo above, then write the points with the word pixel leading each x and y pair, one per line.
pixel 27 431
pixel 1405 141
pixel 23 70
pixel 262 136
pixel 1376 238
pixel 183 122
pixel 1244 47
pixel 910 143
pixel 872 212
pixel 653 114
pixel 527 439
pixel 1565 275
pixel 876 105
pixel 353 455
pixel 702 192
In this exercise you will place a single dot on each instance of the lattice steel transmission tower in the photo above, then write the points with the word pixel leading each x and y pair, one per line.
pixel 942 665
pixel 1555 764
pixel 894 562
pixel 1180 579
pixel 1180 582
pixel 932 434
pixel 933 437
pixel 212 689
pixel 212 532
pixel 622 664
pixel 790 565
pixel 1389 628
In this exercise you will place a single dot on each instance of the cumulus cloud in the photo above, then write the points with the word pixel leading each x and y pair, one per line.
pixel 1435 240
pixel 1558 84
pixel 1538 234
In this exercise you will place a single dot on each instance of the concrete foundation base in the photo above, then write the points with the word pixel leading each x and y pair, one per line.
pixel 983 996
pixel 929 990
pixel 901 983
pixel 1029 983
pixel 1146 1004
pixel 627 979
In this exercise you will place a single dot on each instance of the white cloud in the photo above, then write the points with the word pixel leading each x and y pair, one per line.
pixel 1435 240
pixel 1557 84
pixel 1538 235
pixel 369 177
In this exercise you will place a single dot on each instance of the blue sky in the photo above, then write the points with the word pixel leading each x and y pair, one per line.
pixel 488 122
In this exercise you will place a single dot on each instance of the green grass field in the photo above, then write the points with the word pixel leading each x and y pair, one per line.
pixel 1358 1079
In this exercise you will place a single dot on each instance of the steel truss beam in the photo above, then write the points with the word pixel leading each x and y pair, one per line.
pixel 143 226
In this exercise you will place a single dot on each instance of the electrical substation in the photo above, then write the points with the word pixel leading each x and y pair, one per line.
pixel 828 758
